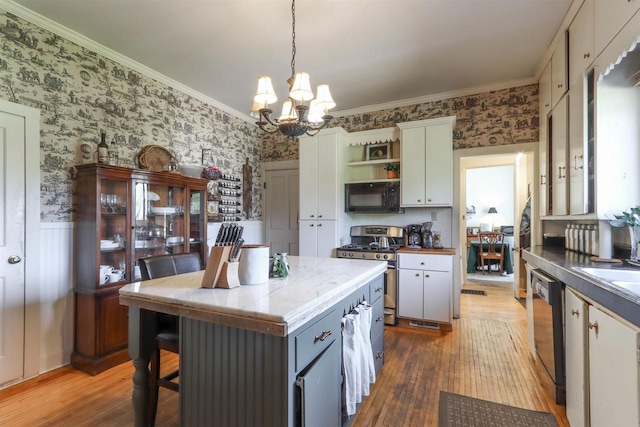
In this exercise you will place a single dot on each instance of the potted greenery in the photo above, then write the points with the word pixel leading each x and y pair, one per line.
pixel 393 169
pixel 631 220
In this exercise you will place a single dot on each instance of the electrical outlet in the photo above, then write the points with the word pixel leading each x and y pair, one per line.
pixel 434 215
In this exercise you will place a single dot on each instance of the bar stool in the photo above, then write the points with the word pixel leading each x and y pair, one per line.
pixel 167 335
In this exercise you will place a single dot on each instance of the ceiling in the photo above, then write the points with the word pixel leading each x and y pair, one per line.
pixel 369 51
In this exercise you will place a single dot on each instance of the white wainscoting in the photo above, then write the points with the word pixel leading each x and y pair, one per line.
pixel 253 233
pixel 56 294
pixel 56 287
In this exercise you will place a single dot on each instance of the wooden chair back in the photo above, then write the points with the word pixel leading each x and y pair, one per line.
pixel 491 248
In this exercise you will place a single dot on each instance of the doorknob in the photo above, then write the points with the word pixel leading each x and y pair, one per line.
pixel 14 259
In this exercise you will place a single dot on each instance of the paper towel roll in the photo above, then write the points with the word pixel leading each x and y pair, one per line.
pixel 254 265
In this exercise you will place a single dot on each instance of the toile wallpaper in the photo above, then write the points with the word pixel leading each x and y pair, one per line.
pixel 80 92
pixel 502 117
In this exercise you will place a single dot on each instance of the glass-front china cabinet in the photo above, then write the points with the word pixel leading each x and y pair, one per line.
pixel 123 215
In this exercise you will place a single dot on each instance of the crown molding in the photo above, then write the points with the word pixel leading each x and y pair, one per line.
pixel 81 40
pixel 438 96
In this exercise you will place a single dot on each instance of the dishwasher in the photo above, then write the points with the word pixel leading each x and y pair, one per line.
pixel 548 331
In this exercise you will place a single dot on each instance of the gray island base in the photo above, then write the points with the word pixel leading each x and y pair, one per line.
pixel 257 355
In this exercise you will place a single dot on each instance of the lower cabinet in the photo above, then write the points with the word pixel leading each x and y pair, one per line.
pixel 318 238
pixel 424 287
pixel 257 379
pixel 101 331
pixel 602 367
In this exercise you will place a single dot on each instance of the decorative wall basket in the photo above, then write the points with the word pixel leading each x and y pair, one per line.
pixel 155 158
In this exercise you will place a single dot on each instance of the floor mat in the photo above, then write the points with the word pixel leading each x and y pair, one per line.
pixel 473 292
pixel 462 411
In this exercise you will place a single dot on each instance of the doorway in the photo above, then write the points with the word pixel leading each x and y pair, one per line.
pixel 19 250
pixel 281 196
pixel 521 157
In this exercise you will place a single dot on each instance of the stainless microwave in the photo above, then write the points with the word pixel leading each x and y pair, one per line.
pixel 372 197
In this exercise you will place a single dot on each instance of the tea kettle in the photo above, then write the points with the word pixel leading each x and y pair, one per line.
pixel 383 242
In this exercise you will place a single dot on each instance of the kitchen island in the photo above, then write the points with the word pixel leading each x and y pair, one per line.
pixel 242 350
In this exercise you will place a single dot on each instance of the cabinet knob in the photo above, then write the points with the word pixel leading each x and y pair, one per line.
pixel 417 274
pixel 426 275
pixel 419 201
pixel 422 263
pixel 560 86
pixel 14 259
pixel 319 216
pixel 311 216
pixel 428 200
pixel 575 162
pixel 575 313
pixel 546 105
pixel 380 355
pixel 319 225
pixel 380 318
pixel 310 225
pixel 594 326
pixel 562 169
pixel 586 55
pixel 379 289
pixel 543 179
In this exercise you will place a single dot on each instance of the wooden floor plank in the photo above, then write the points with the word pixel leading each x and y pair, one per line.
pixel 486 355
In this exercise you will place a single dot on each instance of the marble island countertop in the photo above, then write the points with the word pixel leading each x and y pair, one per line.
pixel 566 266
pixel 277 308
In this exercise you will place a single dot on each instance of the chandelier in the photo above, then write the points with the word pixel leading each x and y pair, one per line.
pixel 297 117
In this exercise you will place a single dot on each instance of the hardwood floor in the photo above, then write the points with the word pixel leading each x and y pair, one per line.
pixel 485 356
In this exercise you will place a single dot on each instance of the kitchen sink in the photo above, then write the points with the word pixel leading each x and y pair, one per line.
pixel 626 279
pixel 613 275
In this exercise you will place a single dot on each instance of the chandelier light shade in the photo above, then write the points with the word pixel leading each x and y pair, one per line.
pixel 302 113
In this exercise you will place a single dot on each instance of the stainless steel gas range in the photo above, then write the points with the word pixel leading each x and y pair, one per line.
pixel 380 243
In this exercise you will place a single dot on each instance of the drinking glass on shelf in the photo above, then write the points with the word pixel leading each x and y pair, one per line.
pixel 112 201
pixel 103 201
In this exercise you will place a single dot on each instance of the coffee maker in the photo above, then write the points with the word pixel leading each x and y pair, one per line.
pixel 427 236
pixel 414 236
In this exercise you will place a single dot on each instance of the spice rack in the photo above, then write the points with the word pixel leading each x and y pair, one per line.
pixel 225 198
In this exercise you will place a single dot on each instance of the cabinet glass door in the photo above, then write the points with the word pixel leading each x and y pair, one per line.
pixel 197 223
pixel 112 231
pixel 158 221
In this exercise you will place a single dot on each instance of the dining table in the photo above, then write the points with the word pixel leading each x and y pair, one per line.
pixel 473 257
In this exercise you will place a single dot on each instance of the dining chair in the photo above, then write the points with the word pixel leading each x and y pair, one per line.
pixel 491 247
pixel 167 325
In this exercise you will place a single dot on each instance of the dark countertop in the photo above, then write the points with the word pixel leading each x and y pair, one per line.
pixel 560 264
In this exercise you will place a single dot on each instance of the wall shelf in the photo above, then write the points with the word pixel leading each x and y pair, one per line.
pixel 373 180
pixel 373 162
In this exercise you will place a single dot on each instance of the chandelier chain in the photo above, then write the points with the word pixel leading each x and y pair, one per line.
pixel 293 38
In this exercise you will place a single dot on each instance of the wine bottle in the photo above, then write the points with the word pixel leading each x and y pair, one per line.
pixel 103 148
pixel 113 153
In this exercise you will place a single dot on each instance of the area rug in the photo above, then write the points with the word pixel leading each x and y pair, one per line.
pixel 462 411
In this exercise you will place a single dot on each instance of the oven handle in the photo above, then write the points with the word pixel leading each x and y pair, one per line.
pixel 391 267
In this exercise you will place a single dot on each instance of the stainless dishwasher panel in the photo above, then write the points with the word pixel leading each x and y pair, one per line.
pixel 548 331
pixel 318 390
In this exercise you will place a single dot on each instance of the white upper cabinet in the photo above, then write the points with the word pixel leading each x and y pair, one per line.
pixel 545 107
pixel 559 84
pixel 320 175
pixel 610 17
pixel 558 159
pixel 581 54
pixel 426 153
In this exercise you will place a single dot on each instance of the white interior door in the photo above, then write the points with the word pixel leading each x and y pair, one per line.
pixel 12 247
pixel 281 210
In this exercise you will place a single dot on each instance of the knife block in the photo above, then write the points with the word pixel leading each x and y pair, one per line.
pixel 228 276
pixel 220 272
